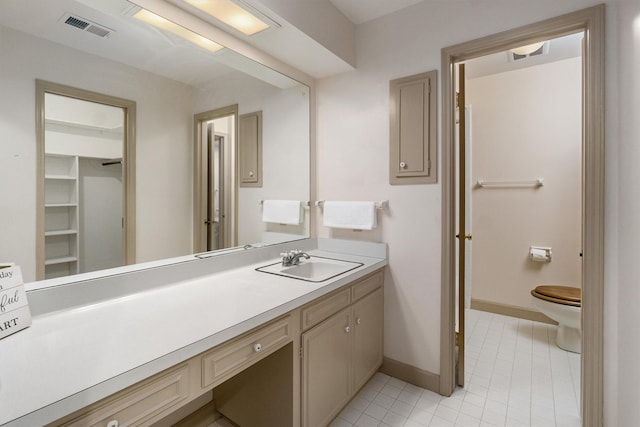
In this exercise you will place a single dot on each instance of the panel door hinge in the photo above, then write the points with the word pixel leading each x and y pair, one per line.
pixel 457 99
pixel 300 352
pixel 457 339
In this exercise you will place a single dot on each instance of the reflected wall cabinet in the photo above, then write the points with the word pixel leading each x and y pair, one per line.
pixel 250 149
pixel 61 213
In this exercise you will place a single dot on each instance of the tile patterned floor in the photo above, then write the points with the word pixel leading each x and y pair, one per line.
pixel 515 376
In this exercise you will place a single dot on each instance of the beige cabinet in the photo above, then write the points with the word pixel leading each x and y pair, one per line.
pixel 227 360
pixel 412 139
pixel 160 395
pixel 140 405
pixel 250 149
pixel 341 353
pixel 367 337
pixel 257 376
pixel 326 368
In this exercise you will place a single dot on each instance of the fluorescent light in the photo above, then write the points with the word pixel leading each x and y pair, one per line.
pixel 528 49
pixel 231 14
pixel 164 24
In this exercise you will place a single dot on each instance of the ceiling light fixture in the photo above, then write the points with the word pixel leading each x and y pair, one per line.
pixel 231 14
pixel 528 49
pixel 166 25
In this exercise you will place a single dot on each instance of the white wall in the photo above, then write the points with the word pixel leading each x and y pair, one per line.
pixel 163 137
pixel 526 124
pixel 352 158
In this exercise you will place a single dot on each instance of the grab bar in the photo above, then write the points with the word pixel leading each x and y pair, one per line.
pixel 539 182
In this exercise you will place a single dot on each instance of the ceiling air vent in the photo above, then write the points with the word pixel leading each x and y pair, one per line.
pixel 86 25
pixel 542 50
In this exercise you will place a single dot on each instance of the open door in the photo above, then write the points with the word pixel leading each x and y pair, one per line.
pixel 215 219
pixel 462 235
pixel 215 198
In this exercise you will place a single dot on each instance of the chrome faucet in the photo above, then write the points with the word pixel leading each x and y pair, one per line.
pixel 293 257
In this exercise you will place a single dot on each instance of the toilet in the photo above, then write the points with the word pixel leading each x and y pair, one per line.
pixel 562 304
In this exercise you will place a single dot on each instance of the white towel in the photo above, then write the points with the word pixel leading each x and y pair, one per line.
pixel 282 211
pixel 351 215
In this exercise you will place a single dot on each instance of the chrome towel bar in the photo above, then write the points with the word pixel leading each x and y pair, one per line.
pixel 539 182
pixel 379 205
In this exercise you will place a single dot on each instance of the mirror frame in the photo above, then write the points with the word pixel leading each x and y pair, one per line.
pixel 128 171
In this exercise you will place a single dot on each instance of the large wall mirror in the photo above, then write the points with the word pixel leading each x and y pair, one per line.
pixel 171 81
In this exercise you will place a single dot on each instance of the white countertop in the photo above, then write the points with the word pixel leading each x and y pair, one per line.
pixel 71 358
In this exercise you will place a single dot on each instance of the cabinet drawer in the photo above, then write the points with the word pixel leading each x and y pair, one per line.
pixel 141 404
pixel 317 312
pixel 237 355
pixel 367 285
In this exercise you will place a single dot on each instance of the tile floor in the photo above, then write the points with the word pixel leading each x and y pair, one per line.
pixel 515 376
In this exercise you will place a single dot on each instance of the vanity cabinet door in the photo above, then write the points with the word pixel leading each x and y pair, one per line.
pixel 141 405
pixel 367 337
pixel 326 372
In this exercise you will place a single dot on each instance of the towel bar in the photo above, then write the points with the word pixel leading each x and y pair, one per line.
pixel 379 205
pixel 539 182
pixel 304 203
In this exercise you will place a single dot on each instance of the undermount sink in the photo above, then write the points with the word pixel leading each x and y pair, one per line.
pixel 314 269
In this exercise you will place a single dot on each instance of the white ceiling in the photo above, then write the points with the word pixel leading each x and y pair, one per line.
pixel 147 48
pixel 360 11
pixel 131 42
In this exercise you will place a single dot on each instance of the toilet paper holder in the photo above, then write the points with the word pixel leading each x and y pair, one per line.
pixel 540 254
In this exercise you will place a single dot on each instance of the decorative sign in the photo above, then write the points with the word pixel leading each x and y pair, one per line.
pixel 14 308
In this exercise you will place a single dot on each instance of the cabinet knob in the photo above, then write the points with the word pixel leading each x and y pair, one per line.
pixel 257 347
pixel 113 423
pixel 347 329
pixel 251 173
pixel 358 321
pixel 403 165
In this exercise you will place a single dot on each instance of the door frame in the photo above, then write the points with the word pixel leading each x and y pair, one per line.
pixel 200 177
pixel 128 159
pixel 591 21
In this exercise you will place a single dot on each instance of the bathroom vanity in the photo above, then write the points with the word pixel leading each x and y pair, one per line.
pixel 151 346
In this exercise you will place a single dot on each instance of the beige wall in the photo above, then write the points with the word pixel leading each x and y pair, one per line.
pixel 526 124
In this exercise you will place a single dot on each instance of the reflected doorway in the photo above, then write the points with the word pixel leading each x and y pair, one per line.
pixel 86 215
pixel 215 185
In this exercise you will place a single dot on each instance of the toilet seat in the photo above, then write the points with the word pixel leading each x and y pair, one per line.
pixel 565 295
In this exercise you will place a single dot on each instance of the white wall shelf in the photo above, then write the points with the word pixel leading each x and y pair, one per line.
pixel 60 232
pixel 61 260
pixel 60 205
pixel 61 215
pixel 60 177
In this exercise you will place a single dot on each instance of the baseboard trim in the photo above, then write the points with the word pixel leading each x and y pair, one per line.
pixel 411 374
pixel 511 310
